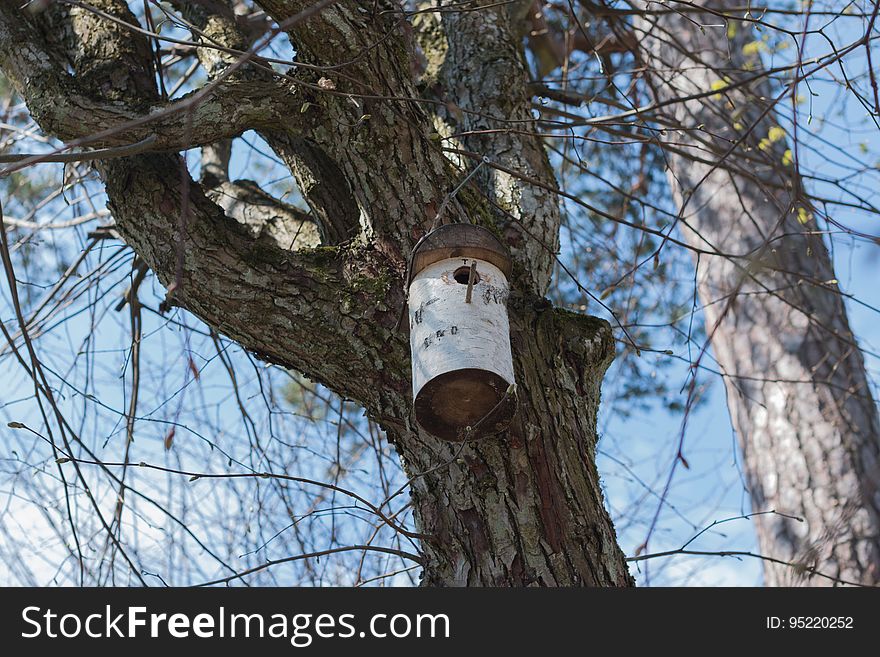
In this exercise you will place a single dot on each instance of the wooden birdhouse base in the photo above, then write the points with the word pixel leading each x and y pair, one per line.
pixel 474 398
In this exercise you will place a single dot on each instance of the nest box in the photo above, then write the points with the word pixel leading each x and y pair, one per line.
pixel 462 367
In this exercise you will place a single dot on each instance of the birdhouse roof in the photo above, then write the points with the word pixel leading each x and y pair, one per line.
pixel 460 241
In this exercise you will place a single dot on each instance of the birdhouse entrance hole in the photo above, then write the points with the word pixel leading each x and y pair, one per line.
pixel 463 274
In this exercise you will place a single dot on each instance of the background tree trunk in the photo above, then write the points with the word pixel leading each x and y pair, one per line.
pixel 796 384
pixel 522 508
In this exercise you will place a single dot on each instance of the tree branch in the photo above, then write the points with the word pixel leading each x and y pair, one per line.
pixel 286 225
pixel 376 135
pixel 327 311
pixel 321 182
pixel 58 101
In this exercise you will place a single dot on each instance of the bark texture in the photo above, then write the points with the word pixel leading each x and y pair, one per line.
pixel 475 68
pixel 797 390
pixel 524 508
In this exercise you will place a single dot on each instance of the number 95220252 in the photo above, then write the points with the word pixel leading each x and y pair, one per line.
pixel 820 622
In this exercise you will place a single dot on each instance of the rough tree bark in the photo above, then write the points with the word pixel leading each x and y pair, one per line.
pixel 796 384
pixel 518 509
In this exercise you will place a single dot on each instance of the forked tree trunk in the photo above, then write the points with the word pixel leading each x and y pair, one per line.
pixel 523 508
pixel 796 385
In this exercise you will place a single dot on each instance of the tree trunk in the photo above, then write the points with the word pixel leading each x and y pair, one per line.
pixel 796 384
pixel 524 508
pixel 521 508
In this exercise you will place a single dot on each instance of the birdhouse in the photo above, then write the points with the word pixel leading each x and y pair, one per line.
pixel 462 367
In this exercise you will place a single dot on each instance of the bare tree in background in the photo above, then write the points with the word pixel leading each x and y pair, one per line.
pixel 796 384
pixel 392 118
